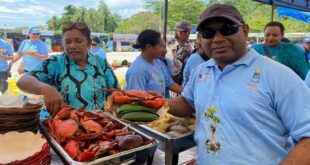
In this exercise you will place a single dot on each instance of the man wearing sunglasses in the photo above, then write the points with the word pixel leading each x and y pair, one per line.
pixel 33 51
pixel 184 49
pixel 248 107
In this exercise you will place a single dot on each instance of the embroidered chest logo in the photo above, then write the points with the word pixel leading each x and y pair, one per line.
pixel 212 144
pixel 203 76
pixel 255 80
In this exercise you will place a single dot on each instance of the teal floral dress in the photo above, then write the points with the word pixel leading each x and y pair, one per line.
pixel 79 87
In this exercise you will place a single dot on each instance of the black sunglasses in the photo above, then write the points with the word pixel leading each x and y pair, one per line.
pixel 225 30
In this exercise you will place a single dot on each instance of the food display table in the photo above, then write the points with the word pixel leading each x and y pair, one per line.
pixel 139 155
pixel 172 146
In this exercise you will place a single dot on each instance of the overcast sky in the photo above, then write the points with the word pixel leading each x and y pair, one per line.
pixel 15 13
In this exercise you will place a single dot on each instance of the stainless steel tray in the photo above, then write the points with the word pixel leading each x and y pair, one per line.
pixel 170 145
pixel 135 155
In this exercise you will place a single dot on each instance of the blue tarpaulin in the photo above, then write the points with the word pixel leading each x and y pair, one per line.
pixel 299 15
pixel 301 5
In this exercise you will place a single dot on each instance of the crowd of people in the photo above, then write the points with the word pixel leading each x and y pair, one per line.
pixel 251 102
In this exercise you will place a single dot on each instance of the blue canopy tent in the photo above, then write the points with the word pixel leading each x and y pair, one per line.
pixel 301 5
pixel 299 15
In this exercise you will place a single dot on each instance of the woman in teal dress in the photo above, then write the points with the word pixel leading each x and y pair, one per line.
pixel 74 77
pixel 286 53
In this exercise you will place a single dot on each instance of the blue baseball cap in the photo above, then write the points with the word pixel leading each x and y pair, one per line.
pixel 307 40
pixel 34 30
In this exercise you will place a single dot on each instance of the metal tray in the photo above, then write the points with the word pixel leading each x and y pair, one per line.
pixel 137 155
pixel 172 146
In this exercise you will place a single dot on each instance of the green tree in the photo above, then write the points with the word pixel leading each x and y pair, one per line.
pixel 53 23
pixel 138 22
pixel 99 20
pixel 80 14
pixel 178 10
pixel 257 15
pixel 109 21
pixel 69 13
pixel 112 23
pixel 93 20
pixel 189 10
pixel 156 6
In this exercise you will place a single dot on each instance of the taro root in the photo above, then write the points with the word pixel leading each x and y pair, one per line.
pixel 174 133
pixel 130 142
pixel 178 128
pixel 181 123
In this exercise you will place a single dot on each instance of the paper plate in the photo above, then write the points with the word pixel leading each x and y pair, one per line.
pixel 40 158
pixel 19 119
pixel 27 109
pixel 16 146
pixel 25 129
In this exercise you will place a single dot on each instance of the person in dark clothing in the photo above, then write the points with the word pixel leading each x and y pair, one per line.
pixel 183 50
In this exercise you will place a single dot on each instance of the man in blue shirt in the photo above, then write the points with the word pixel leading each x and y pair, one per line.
pixel 247 106
pixel 193 61
pixel 33 50
pixel 110 45
pixel 96 48
pixel 6 53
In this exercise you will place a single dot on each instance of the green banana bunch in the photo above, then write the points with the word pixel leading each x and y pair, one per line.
pixel 135 112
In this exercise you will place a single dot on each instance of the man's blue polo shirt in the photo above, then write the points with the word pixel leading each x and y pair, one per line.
pixel 39 46
pixel 259 105
pixel 307 79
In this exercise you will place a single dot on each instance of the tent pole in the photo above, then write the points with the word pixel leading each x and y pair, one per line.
pixel 272 10
pixel 165 20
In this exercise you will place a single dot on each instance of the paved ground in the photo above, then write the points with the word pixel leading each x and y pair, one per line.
pixel 159 155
